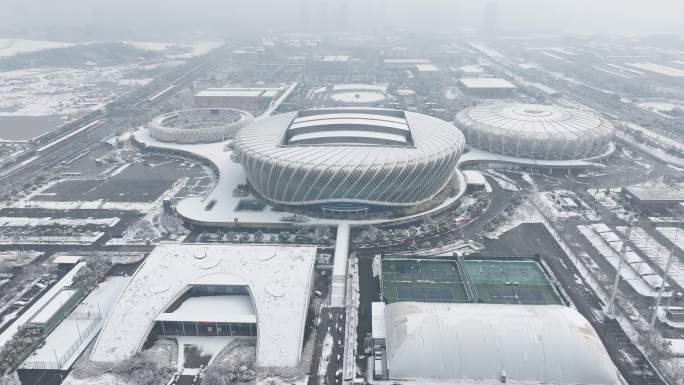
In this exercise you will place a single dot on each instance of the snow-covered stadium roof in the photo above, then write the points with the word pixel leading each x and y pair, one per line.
pixel 477 343
pixel 279 279
pixel 535 131
pixel 363 155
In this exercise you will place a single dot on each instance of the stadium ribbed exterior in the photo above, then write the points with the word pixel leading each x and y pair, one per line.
pixel 200 125
pixel 350 155
pixel 535 131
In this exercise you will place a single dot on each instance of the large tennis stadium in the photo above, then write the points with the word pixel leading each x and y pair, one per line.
pixel 199 125
pixel 349 157
pixel 535 131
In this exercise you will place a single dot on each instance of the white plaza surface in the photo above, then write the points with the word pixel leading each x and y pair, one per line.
pixel 279 279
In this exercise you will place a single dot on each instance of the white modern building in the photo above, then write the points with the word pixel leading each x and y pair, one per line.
pixel 205 290
pixel 200 125
pixel 493 344
pixel 349 157
pixel 534 131
pixel 244 98
pixel 487 87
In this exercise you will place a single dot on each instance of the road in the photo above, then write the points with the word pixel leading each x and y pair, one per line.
pixel 328 370
pixel 529 239
pixel 23 170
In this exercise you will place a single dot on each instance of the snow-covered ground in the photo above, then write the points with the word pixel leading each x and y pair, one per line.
pixel 192 49
pixel 87 238
pixel 49 221
pixel 11 47
pixel 63 91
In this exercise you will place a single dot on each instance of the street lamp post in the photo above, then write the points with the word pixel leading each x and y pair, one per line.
pixel 610 308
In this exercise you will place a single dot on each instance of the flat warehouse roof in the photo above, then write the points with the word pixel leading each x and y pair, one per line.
pixel 427 68
pixel 655 193
pixel 486 83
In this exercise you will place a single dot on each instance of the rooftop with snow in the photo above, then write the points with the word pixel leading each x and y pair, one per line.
pixel 279 280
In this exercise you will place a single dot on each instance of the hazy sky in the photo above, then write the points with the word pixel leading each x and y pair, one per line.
pixel 232 16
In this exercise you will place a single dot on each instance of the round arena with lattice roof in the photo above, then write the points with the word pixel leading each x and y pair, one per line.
pixel 349 156
pixel 535 131
pixel 199 125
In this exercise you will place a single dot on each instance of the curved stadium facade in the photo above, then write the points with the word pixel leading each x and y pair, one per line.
pixel 199 125
pixel 351 157
pixel 535 131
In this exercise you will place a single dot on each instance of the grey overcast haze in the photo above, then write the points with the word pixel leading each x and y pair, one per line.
pixel 341 192
pixel 158 18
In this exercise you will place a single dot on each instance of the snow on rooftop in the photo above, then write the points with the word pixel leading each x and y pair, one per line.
pixel 656 193
pixel 279 279
pixel 477 342
pixel 67 259
pixel 378 320
pixel 474 177
pixel 486 83
pixel 426 68
pixel 238 308
pixel 346 136
pixel 51 308
pixel 659 69
pixel 11 47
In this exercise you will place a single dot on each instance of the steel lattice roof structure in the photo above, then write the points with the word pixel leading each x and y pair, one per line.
pixel 199 125
pixel 535 131
pixel 349 155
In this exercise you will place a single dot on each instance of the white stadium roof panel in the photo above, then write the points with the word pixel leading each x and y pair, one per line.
pixel 535 131
pixel 476 343
pixel 387 175
pixel 350 134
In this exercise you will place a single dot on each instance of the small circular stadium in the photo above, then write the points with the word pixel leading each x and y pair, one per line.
pixel 348 158
pixel 535 131
pixel 200 125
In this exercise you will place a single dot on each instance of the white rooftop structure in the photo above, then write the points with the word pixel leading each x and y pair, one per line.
pixel 55 304
pixel 359 156
pixel 479 343
pixel 474 177
pixel 659 69
pixel 472 69
pixel 67 259
pixel 279 281
pixel 535 131
pixel 486 83
pixel 336 58
pixel 426 68
pixel 378 320
pixel 246 92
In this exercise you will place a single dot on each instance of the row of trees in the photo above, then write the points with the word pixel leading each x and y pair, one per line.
pixel 91 274
pixel 13 353
pixel 440 224
pixel 314 235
